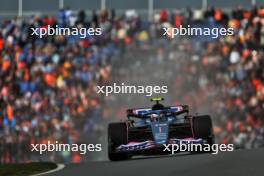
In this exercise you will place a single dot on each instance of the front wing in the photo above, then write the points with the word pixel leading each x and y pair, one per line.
pixel 149 144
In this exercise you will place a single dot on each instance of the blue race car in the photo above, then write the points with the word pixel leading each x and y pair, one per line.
pixel 147 130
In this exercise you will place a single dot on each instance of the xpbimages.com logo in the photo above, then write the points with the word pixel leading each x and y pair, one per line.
pixel 60 147
pixel 131 89
pixel 74 31
pixel 197 31
pixel 192 147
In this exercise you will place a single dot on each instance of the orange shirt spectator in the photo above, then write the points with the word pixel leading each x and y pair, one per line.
pixel 218 15
pixel 164 16
pixel 10 112
pixel 1 44
pixel 50 79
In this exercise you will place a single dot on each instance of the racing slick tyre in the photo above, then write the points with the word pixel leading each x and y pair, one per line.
pixel 117 135
pixel 202 128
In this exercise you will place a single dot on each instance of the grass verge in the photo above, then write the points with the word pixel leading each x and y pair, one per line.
pixel 25 169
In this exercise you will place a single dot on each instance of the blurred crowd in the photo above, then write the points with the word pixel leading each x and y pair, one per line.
pixel 48 85
pixel 227 77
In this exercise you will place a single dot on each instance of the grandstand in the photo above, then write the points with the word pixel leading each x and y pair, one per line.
pixel 48 85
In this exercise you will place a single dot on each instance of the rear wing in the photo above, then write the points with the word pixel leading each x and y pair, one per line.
pixel 141 112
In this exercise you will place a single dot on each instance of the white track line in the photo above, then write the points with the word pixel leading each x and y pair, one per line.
pixel 59 167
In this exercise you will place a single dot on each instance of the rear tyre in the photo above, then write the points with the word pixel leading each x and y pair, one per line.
pixel 117 135
pixel 202 128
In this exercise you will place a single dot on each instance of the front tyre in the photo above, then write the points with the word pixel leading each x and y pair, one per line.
pixel 203 128
pixel 117 135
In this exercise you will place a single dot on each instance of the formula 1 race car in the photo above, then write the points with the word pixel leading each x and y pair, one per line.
pixel 148 129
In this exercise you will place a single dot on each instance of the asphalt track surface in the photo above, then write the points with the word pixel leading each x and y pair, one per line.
pixel 236 163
